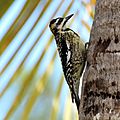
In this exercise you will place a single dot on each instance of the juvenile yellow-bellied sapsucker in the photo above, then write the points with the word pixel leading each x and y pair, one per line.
pixel 72 53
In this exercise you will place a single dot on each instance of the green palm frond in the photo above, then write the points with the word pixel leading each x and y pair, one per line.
pixel 4 6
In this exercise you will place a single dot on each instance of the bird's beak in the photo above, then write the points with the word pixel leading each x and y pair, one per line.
pixel 67 18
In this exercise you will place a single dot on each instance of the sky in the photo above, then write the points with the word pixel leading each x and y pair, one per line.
pixel 5 23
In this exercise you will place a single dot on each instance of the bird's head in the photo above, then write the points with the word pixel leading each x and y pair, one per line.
pixel 58 24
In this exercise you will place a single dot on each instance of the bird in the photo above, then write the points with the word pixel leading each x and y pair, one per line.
pixel 72 53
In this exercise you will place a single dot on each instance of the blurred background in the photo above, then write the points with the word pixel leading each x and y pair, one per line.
pixel 32 86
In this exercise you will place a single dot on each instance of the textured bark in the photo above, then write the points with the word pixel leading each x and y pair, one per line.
pixel 100 99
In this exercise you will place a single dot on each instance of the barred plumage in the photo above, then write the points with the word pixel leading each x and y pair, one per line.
pixel 72 53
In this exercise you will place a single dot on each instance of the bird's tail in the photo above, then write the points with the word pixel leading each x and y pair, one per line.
pixel 76 99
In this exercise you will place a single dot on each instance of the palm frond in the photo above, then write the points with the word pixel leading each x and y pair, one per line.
pixel 24 49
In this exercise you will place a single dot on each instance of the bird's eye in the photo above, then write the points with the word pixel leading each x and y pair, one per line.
pixel 59 21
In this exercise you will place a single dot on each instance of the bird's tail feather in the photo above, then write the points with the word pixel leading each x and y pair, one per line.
pixel 76 99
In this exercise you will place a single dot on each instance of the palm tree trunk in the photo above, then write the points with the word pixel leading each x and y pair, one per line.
pixel 100 99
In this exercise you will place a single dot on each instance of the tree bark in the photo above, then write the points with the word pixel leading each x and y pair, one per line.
pixel 100 99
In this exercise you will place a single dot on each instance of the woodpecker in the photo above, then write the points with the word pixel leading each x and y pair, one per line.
pixel 72 53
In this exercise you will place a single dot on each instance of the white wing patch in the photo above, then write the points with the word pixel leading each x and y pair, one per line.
pixel 68 56
pixel 69 52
